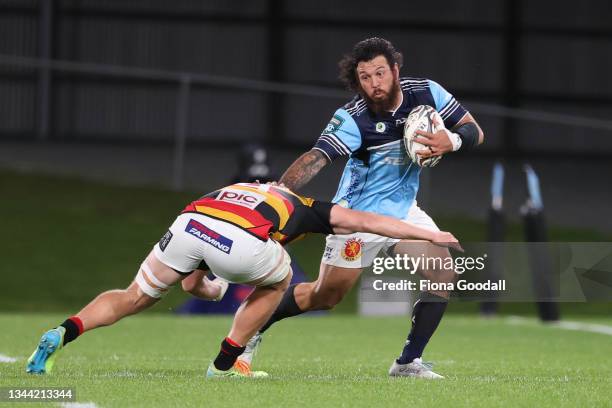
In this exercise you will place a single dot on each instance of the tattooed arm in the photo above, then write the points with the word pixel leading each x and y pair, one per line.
pixel 304 169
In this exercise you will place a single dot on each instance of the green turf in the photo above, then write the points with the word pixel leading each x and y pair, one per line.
pixel 65 240
pixel 155 360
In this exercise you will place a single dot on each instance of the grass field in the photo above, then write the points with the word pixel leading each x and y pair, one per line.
pixel 74 239
pixel 67 240
pixel 150 361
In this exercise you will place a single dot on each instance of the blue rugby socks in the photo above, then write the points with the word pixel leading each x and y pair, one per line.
pixel 426 315
pixel 286 308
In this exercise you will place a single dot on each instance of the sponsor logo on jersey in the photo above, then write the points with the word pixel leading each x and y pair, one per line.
pixel 209 236
pixel 399 122
pixel 333 125
pixel 395 161
pixel 353 184
pixel 381 127
pixel 165 240
pixel 243 198
pixel 352 249
pixel 328 253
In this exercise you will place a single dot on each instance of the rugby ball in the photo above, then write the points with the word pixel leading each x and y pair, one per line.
pixel 421 118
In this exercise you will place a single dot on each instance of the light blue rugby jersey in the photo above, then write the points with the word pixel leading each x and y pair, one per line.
pixel 379 176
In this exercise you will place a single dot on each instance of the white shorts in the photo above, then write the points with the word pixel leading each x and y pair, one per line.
pixel 358 250
pixel 230 252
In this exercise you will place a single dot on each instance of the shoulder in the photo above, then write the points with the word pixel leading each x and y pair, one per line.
pixel 413 84
pixel 289 195
pixel 354 106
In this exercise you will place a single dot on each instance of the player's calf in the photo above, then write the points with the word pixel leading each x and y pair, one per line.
pixel 255 310
pixel 151 283
pixel 326 298
pixel 427 311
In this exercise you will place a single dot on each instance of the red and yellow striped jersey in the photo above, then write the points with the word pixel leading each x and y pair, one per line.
pixel 265 211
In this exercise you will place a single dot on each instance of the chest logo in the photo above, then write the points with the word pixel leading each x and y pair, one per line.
pixel 380 127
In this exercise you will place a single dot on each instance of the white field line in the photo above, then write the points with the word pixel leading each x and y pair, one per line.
pixel 7 359
pixel 589 327
pixel 566 325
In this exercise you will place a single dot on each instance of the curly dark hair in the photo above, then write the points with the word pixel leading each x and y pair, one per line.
pixel 366 50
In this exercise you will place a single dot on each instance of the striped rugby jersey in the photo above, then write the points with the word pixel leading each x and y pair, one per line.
pixel 379 176
pixel 265 211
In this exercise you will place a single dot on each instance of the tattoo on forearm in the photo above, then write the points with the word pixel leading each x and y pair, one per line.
pixel 303 169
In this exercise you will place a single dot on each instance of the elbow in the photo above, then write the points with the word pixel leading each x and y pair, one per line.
pixel 480 136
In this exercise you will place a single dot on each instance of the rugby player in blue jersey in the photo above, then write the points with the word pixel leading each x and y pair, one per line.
pixel 378 177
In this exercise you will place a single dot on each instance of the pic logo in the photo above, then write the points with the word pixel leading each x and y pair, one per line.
pixel 243 198
pixel 209 236
pixel 352 249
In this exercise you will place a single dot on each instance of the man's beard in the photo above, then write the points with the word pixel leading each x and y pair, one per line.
pixel 383 105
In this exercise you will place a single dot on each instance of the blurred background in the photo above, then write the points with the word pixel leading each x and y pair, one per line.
pixel 114 114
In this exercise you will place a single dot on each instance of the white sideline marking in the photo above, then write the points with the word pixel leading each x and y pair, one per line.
pixel 7 359
pixel 590 327
pixel 567 325
pixel 78 405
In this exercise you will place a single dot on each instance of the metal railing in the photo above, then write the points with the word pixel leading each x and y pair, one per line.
pixel 186 80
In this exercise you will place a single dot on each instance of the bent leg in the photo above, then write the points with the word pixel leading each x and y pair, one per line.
pixel 429 308
pixel 328 290
pixel 253 312
pixel 323 294
pixel 256 310
pixel 152 280
pixel 437 272
pixel 113 305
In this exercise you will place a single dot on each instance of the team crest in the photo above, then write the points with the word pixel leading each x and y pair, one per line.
pixel 380 127
pixel 352 249
pixel 333 125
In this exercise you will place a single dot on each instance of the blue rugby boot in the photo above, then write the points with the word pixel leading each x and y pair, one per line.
pixel 42 359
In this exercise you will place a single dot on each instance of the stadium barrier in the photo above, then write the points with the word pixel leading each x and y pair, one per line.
pixel 185 81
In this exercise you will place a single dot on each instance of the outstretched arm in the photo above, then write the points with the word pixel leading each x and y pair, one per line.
pixel 303 169
pixel 346 221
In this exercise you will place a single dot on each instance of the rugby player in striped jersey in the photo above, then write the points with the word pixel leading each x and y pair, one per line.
pixel 236 232
pixel 378 177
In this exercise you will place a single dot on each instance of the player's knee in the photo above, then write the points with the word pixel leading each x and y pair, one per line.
pixel 137 300
pixel 439 269
pixel 445 294
pixel 141 301
pixel 148 284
